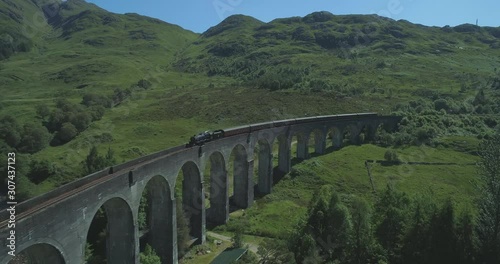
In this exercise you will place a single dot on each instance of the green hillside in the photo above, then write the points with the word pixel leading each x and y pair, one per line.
pixel 78 47
pixel 345 55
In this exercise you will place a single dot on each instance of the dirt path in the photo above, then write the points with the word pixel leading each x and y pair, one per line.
pixel 251 247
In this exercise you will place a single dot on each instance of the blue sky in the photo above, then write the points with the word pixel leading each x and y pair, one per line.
pixel 199 15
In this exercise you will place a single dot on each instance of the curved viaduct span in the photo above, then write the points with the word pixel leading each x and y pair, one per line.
pixel 52 228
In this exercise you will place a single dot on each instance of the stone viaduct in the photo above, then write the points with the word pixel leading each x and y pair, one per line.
pixel 52 228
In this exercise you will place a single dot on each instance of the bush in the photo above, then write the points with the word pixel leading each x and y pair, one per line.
pixel 68 132
pixel 42 111
pixel 34 138
pixel 237 240
pixel 441 104
pixel 97 112
pixel 41 170
pixel 149 256
pixel 10 131
pixel 391 156
pixel 95 162
pixel 95 99
pixel 144 84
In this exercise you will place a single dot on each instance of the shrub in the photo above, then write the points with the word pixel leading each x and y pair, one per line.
pixel 391 156
pixel 144 84
pixel 149 256
pixel 441 104
pixel 42 111
pixel 67 132
pixel 34 138
pixel 81 121
pixel 96 99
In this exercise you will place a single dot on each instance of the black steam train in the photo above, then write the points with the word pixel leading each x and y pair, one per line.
pixel 203 137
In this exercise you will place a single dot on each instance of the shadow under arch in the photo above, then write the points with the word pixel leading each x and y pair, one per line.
pixel 365 134
pixel 119 230
pixel 159 218
pixel 193 200
pixel 351 134
pixel 336 135
pixel 240 176
pixel 318 141
pixel 40 253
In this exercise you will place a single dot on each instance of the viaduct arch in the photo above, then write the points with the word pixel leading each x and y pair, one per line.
pixel 54 226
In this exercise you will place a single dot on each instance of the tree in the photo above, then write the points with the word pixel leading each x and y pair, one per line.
pixel 417 241
pixel 144 84
pixel 94 162
pixel 488 220
pixel 67 132
pixel 34 138
pixel 338 230
pixel 274 251
pixel 42 111
pixel 149 256
pixel 40 170
pixel 392 217
pixel 97 112
pixel 109 159
pixel 362 246
pixel 237 239
pixel 443 239
pixel 10 131
pixel 96 100
pixel 301 243
pixel 466 239
pixel 81 121
pixel 391 156
pixel 56 119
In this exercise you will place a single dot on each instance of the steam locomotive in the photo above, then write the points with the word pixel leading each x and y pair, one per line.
pixel 203 137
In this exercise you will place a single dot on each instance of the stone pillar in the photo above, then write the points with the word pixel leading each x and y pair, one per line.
pixel 241 181
pixel 265 169
pixel 303 147
pixel 284 156
pixel 250 185
pixel 172 232
pixel 219 196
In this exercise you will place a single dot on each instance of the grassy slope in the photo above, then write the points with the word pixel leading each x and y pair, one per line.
pixel 364 51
